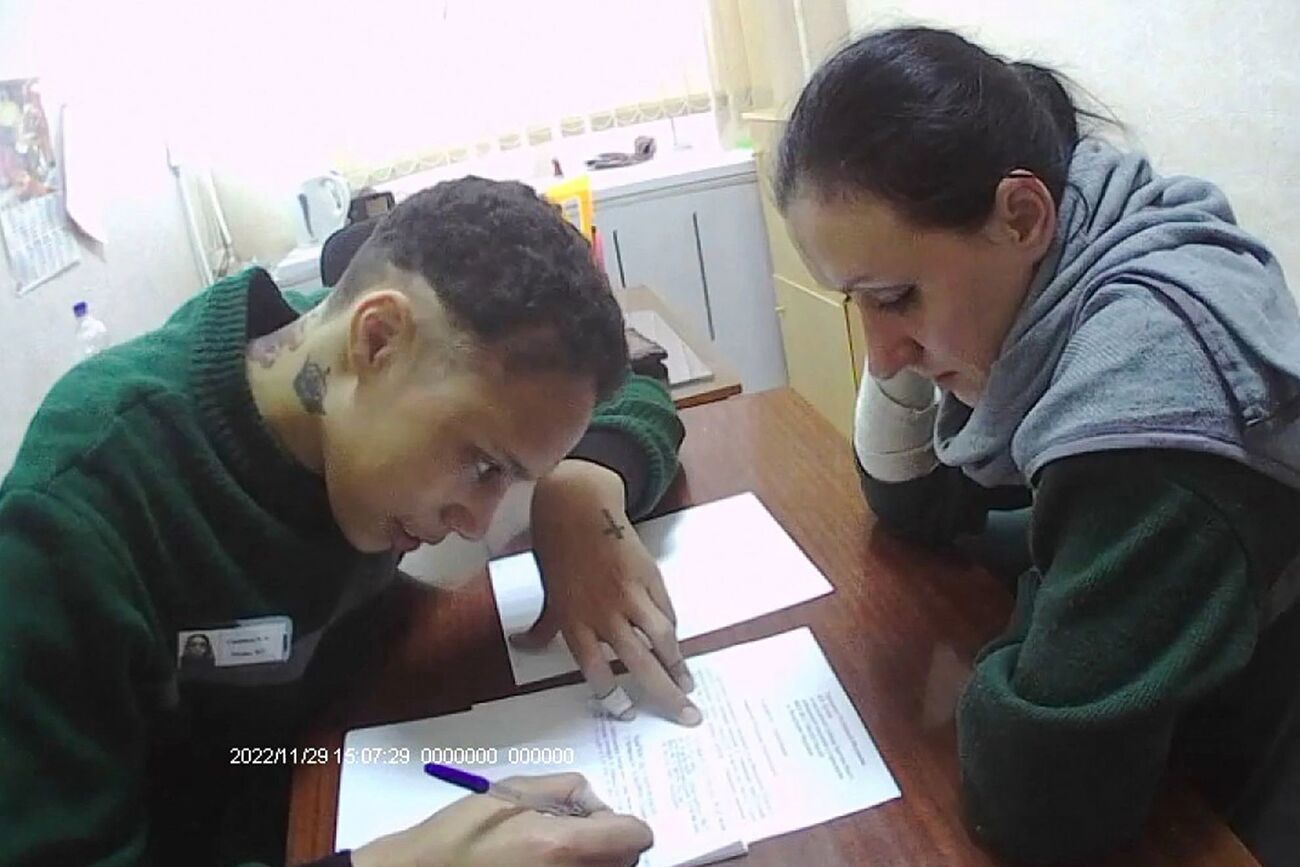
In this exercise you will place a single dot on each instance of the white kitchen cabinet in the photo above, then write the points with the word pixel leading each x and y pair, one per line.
pixel 652 243
pixel 702 247
pixel 732 242
pixel 689 225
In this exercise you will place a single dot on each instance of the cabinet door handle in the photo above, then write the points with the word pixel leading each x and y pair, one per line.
pixel 618 259
pixel 780 308
pixel 704 274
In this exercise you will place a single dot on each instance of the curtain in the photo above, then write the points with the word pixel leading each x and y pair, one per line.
pixel 729 66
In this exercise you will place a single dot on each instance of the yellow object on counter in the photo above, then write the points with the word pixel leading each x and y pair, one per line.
pixel 574 198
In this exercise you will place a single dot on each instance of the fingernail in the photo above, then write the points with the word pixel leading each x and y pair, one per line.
pixel 690 716
pixel 682 675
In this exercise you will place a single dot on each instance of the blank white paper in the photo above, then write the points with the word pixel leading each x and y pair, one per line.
pixel 723 563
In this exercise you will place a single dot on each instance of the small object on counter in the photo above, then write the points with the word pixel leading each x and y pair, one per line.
pixel 642 149
pixel 646 356
pixel 322 207
pixel 368 203
pixel 573 196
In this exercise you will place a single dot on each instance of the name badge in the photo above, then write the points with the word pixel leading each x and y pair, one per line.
pixel 245 642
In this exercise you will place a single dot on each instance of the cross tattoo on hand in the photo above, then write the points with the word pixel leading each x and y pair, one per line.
pixel 612 528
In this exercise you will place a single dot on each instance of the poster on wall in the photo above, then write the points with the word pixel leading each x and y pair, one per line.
pixel 37 236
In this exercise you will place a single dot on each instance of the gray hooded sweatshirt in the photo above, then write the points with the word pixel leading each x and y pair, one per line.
pixel 1153 322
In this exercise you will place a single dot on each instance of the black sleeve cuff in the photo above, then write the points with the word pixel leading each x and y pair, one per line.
pixel 619 452
pixel 936 508
pixel 338 859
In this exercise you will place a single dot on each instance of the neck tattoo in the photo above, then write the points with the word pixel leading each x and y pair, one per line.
pixel 310 384
pixel 266 349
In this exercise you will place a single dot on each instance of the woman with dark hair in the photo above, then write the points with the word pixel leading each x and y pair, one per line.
pixel 1111 350
pixel 197 652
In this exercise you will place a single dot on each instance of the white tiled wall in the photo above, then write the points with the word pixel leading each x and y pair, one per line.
pixel 1206 88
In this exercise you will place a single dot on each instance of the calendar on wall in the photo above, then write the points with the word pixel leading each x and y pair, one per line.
pixel 38 237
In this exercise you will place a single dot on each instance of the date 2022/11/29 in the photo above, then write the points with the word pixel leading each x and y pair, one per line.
pixel 459 756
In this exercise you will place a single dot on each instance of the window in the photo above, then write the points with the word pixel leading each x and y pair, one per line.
pixel 381 88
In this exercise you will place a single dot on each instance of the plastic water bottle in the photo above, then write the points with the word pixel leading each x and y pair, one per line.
pixel 92 335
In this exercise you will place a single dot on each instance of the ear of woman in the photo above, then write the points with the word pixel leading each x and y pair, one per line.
pixel 1023 213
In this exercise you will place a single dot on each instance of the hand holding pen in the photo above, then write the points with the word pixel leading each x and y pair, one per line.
pixel 563 824
pixel 506 791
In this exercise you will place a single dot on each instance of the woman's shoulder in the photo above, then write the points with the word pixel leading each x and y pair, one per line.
pixel 1132 373
pixel 1126 326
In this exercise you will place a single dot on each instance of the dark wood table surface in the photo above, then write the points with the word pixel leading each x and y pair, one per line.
pixel 900 631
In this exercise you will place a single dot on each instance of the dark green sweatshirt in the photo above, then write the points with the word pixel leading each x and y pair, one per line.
pixel 148 498
pixel 1138 637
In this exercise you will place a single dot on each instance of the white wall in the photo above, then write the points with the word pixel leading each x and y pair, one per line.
pixel 145 269
pixel 1207 88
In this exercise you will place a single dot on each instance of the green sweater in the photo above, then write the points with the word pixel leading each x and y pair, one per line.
pixel 149 497
pixel 1137 638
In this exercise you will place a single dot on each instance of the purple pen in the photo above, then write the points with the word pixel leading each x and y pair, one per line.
pixel 481 785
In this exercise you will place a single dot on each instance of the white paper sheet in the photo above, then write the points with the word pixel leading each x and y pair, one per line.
pixel 88 170
pixel 683 364
pixel 723 563
pixel 781 748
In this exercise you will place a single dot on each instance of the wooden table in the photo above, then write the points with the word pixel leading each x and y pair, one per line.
pixel 900 630
pixel 724 382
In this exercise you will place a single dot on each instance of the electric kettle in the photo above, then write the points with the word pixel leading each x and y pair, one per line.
pixel 321 208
